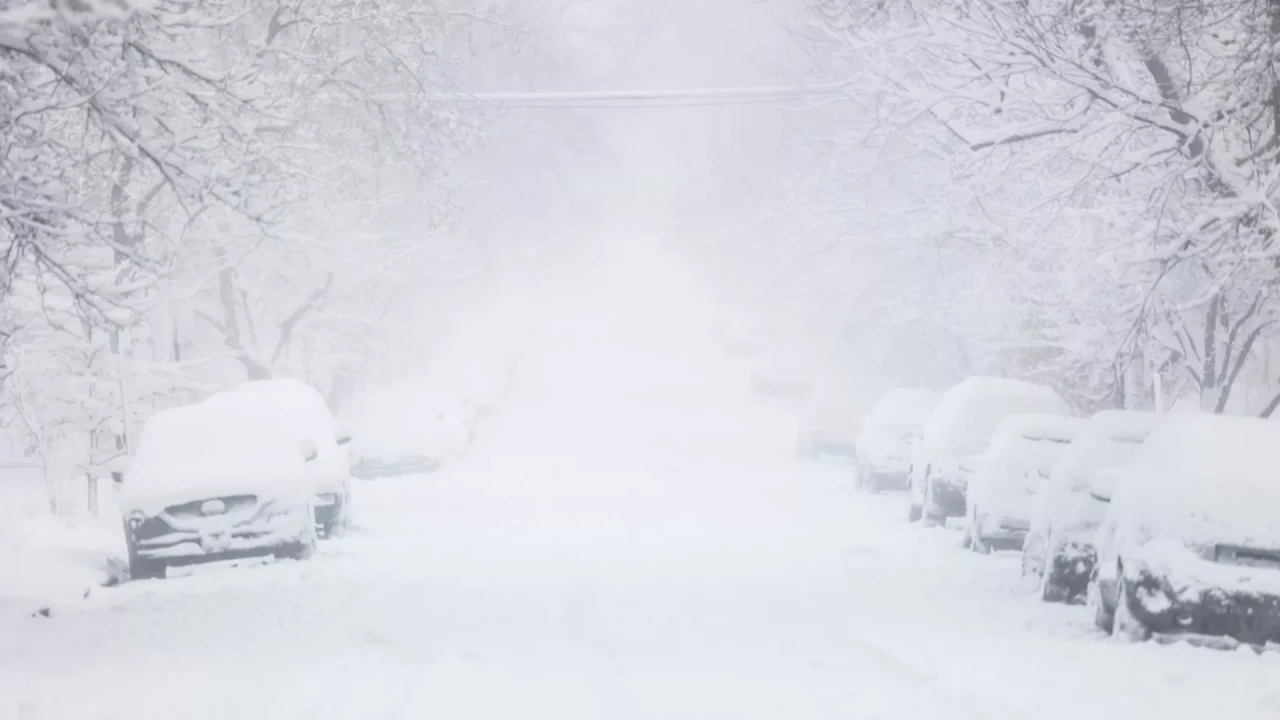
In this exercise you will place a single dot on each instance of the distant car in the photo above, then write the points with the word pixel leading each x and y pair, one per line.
pixel 1059 551
pixel 408 428
pixel 782 376
pixel 1001 495
pixel 216 480
pixel 1190 544
pixel 829 428
pixel 308 413
pixel 890 437
pixel 957 434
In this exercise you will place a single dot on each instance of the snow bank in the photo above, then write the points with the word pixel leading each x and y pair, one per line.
pixel 46 560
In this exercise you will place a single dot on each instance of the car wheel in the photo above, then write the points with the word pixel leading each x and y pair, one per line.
pixel 1103 617
pixel 931 517
pixel 301 550
pixel 1128 626
pixel 1051 590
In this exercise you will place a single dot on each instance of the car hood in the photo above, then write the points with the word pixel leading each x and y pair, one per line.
pixel 153 487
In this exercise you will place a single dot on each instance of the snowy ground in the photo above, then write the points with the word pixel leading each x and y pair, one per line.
pixel 647 548
pixel 568 572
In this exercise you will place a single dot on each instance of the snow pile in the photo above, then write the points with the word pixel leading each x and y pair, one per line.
pixel 1204 480
pixel 225 445
pixel 46 559
pixel 1022 453
pixel 969 413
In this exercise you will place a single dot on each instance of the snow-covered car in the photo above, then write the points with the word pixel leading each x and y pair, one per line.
pixel 1059 548
pixel 957 433
pixel 829 427
pixel 308 414
pixel 216 480
pixel 889 440
pixel 1190 543
pixel 1013 470
pixel 408 429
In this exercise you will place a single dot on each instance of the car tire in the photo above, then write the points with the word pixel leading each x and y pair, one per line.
pixel 928 517
pixel 1127 626
pixel 1052 591
pixel 1103 618
pixel 300 550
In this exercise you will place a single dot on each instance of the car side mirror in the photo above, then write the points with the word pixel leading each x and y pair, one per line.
pixel 308 448
pixel 342 434
pixel 1103 484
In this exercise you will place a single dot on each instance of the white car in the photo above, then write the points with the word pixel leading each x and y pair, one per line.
pixel 829 428
pixel 782 375
pixel 408 429
pixel 957 434
pixel 219 479
pixel 889 440
pixel 1012 472
pixel 308 414
pixel 1190 544
pixel 1059 550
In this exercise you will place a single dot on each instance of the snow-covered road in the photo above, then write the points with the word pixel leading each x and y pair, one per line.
pixel 675 570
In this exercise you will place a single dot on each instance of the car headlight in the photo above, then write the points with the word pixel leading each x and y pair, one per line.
pixel 136 518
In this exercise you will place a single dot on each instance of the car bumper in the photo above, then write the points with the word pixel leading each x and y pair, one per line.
pixel 258 537
pixel 1002 532
pixel 1249 617
pixel 890 474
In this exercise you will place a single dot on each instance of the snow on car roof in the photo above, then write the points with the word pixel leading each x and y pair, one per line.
pixel 1205 478
pixel 1038 427
pixel 968 414
pixel 1108 438
pixel 1222 451
pixel 220 435
pixel 903 406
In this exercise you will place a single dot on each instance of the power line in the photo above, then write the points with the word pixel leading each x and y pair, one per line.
pixel 631 99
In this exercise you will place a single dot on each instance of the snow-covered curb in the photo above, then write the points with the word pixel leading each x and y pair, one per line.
pixel 46 560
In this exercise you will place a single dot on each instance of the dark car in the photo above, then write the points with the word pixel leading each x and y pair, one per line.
pixel 1190 544
pixel 1059 551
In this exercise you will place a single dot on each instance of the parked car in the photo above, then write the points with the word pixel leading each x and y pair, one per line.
pixel 220 479
pixel 829 427
pixel 1013 470
pixel 782 375
pixel 408 428
pixel 308 414
pixel 1059 551
pixel 958 432
pixel 890 438
pixel 1190 544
